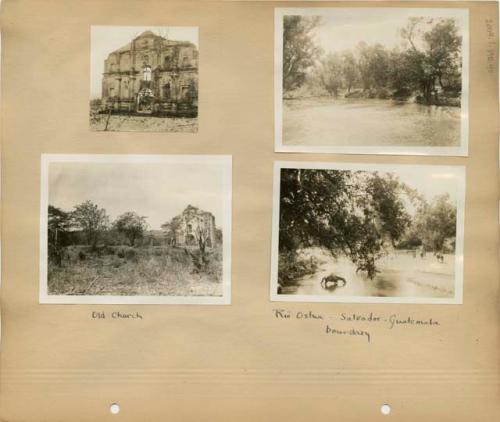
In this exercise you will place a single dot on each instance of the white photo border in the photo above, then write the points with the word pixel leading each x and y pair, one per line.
pixel 223 160
pixel 458 171
pixel 459 151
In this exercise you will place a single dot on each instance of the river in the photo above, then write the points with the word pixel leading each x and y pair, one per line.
pixel 401 275
pixel 369 122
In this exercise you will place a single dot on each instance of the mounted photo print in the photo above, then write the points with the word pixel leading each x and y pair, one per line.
pixel 144 79
pixel 138 229
pixel 367 233
pixel 372 81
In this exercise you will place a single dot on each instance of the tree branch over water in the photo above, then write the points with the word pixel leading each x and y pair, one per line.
pixel 357 214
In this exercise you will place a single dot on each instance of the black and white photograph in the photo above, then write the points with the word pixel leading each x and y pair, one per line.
pixel 145 229
pixel 372 80
pixel 144 79
pixel 367 233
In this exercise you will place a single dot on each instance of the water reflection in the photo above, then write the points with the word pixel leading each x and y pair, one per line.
pixel 369 122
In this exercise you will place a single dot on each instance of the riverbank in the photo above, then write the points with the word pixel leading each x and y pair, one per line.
pixel 442 98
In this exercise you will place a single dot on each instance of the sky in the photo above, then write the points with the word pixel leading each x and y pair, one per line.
pixel 430 184
pixel 159 191
pixel 106 39
pixel 343 29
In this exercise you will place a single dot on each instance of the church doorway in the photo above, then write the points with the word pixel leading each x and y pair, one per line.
pixel 145 101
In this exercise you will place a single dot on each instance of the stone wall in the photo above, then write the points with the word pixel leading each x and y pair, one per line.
pixel 170 67
pixel 190 221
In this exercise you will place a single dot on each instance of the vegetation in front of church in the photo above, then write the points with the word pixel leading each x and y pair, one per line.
pixel 89 255
pixel 133 123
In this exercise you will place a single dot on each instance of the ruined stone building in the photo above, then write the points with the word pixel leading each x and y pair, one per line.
pixel 152 75
pixel 187 228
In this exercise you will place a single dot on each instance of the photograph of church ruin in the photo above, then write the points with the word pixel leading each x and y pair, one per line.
pixel 144 79
pixel 158 230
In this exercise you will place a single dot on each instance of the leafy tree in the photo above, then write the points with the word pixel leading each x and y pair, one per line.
pixel 92 220
pixel 171 227
pixel 443 46
pixel 59 223
pixel 363 54
pixel 331 73
pixel 132 225
pixel 433 226
pixel 299 50
pixel 385 196
pixel 379 65
pixel 373 63
pixel 350 71
pixel 412 31
pixel 437 223
pixel 345 212
pixel 434 55
pixel 405 70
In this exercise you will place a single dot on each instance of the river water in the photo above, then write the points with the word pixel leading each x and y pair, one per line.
pixel 402 275
pixel 368 122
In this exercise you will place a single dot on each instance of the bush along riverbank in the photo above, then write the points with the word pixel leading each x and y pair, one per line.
pixel 441 98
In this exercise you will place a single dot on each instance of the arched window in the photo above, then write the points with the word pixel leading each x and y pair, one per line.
pixel 146 73
pixel 185 61
pixel 167 61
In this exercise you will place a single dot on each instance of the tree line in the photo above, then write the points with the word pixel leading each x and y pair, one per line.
pixel 360 215
pixel 88 223
pixel 91 225
pixel 427 65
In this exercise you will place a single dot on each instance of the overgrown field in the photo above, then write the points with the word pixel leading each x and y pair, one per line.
pixel 142 123
pixel 128 271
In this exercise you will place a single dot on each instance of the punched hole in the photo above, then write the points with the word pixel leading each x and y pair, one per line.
pixel 114 409
pixel 385 409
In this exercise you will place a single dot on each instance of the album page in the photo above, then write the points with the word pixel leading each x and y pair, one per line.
pixel 249 210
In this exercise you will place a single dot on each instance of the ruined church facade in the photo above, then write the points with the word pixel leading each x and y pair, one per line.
pixel 190 226
pixel 152 75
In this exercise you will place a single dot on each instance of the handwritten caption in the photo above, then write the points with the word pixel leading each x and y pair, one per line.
pixel 100 315
pixel 491 49
pixel 335 324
